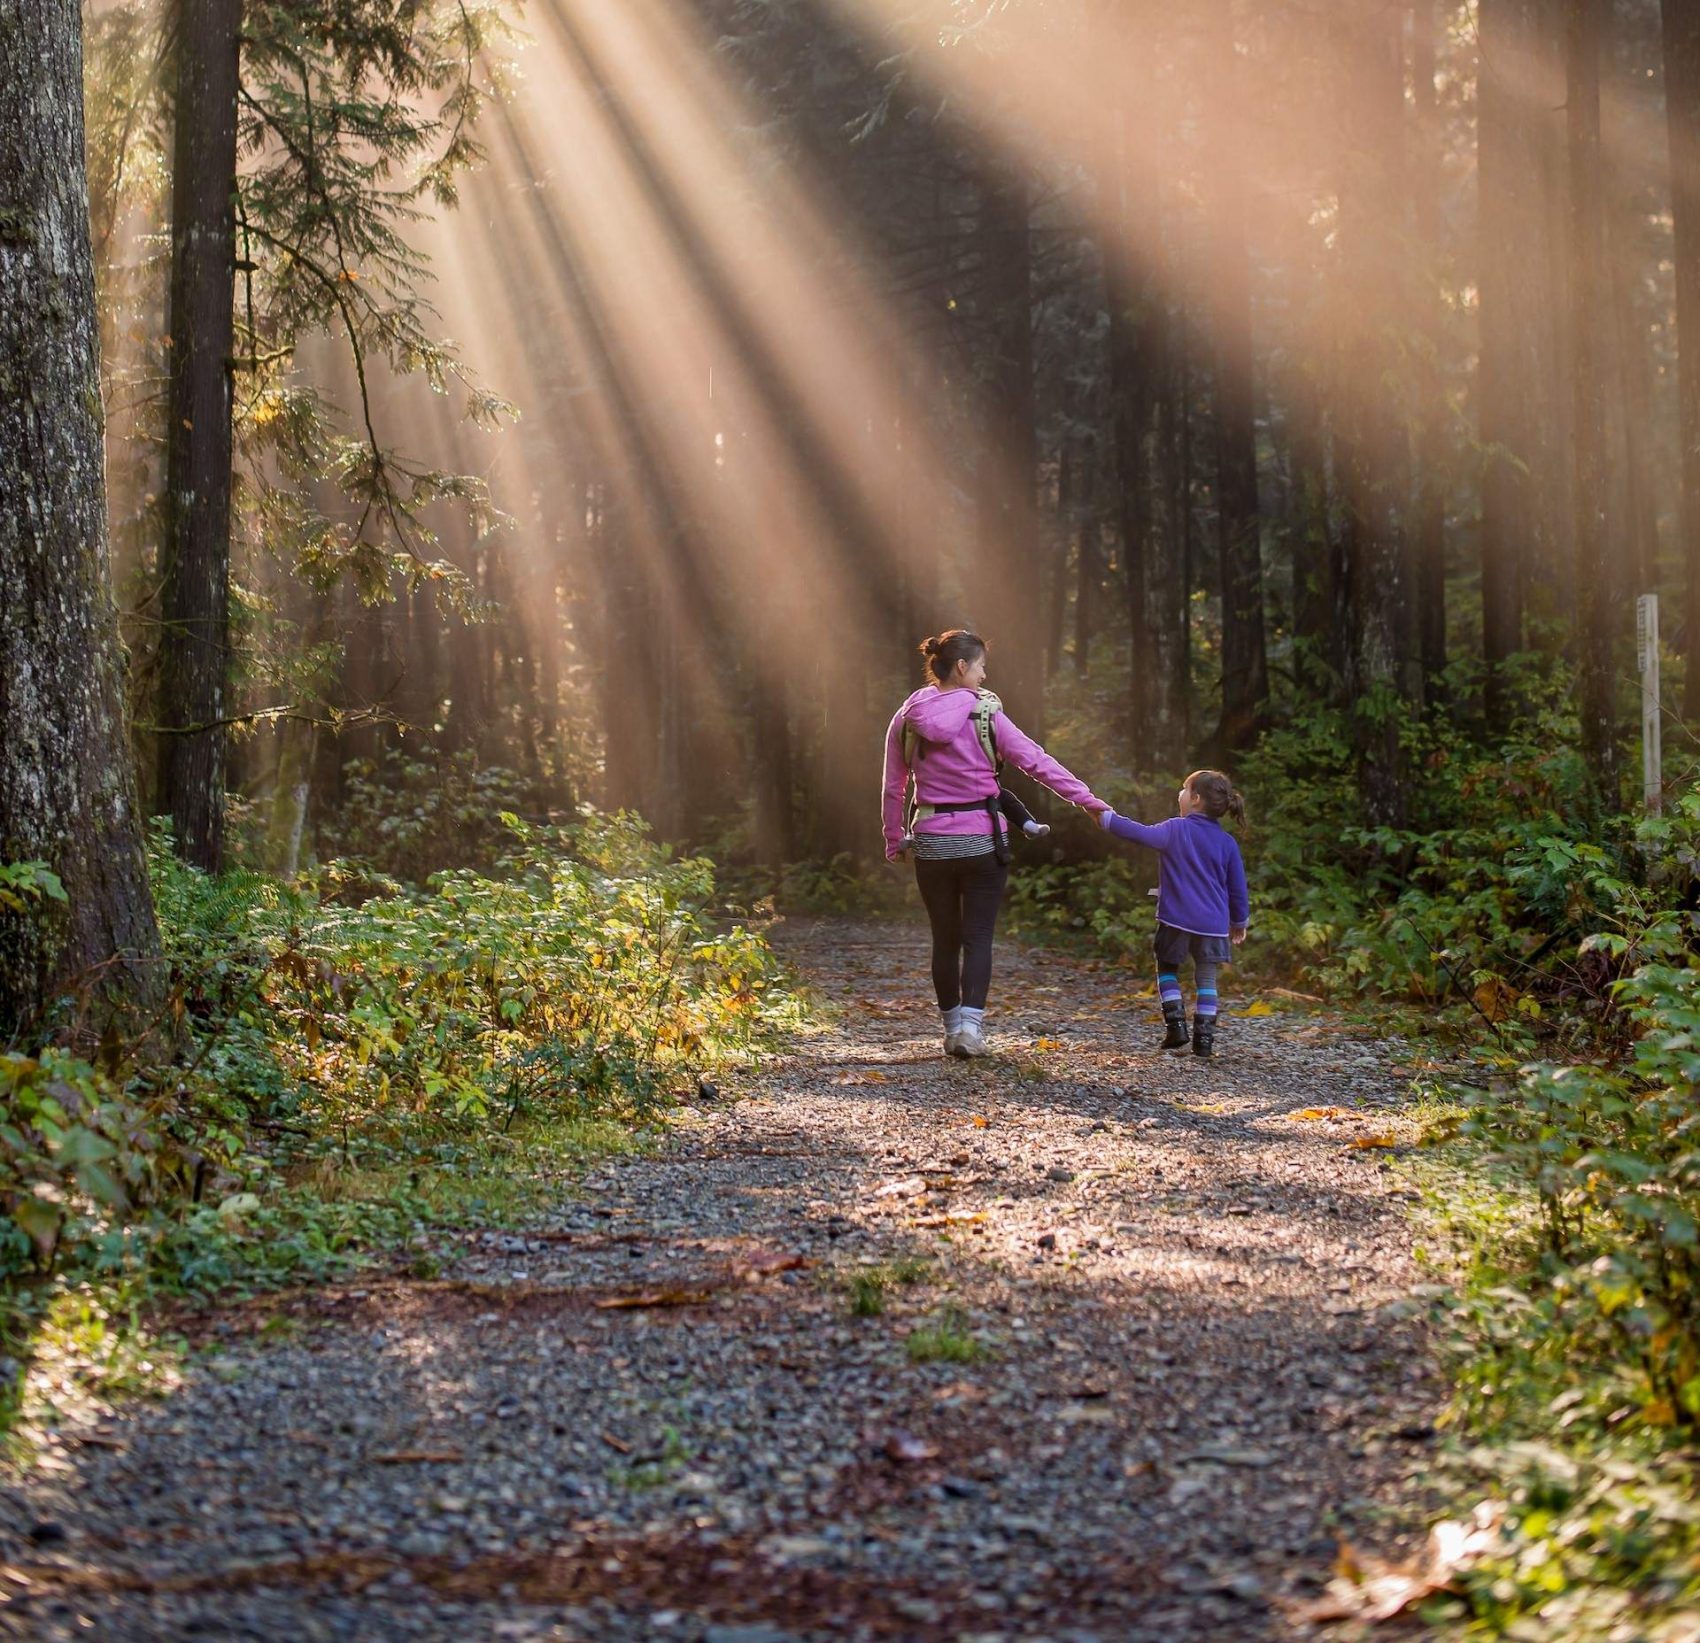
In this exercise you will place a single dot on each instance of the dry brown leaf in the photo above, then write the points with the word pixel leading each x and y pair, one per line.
pixel 616 1444
pixel 655 1297
pixel 902 1446
pixel 1496 999
pixel 908 1187
pixel 769 1261
pixel 1370 1589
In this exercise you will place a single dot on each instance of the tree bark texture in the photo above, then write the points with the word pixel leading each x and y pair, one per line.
pixel 194 651
pixel 1142 410
pixel 1428 526
pixel 1597 582
pixel 67 793
pixel 1245 665
pixel 1682 115
pixel 1372 72
pixel 1509 217
pixel 1006 582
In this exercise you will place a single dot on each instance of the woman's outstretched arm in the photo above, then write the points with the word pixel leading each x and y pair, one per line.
pixel 1028 756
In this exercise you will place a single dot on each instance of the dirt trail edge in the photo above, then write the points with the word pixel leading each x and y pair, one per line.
pixel 1129 1348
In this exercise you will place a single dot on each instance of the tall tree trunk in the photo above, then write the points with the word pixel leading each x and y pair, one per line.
pixel 1245 665
pixel 1682 115
pixel 195 556
pixel 1141 416
pixel 1008 560
pixel 1634 378
pixel 1507 214
pixel 1598 604
pixel 1088 568
pixel 1317 578
pixel 1056 590
pixel 1428 532
pixel 1373 100
pixel 67 791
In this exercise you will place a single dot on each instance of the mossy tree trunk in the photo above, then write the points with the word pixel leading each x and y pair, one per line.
pixel 67 791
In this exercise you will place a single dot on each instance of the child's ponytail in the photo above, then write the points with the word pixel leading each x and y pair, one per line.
pixel 1218 795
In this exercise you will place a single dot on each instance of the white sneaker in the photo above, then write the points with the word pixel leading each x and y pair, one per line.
pixel 970 1044
pixel 952 1043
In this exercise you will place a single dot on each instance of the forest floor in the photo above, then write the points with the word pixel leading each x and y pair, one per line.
pixel 1079 1342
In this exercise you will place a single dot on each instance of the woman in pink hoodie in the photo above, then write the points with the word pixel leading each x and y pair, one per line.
pixel 960 843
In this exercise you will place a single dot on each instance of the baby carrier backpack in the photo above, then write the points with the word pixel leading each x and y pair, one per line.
pixel 986 708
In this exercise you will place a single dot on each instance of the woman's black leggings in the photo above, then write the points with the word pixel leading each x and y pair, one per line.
pixel 962 898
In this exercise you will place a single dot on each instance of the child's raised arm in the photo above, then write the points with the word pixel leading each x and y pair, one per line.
pixel 1124 827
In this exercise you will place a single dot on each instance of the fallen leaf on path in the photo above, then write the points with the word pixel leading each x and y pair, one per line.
pixel 1225 1455
pixel 1078 1414
pixel 418 1457
pixel 93 1440
pixel 777 1261
pixel 1376 1141
pixel 901 1446
pixel 1369 1588
pixel 906 1188
pixel 1256 1007
pixel 655 1297
pixel 616 1444
pixel 1047 1044
pixel 871 1076
pixel 959 1392
pixel 978 1122
pixel 955 1218
pixel 1314 1115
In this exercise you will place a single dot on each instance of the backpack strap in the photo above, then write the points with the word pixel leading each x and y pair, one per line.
pixel 986 708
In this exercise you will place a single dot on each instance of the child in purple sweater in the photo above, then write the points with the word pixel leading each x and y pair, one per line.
pixel 1202 905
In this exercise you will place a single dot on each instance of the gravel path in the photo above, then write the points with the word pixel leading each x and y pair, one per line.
pixel 1171 1290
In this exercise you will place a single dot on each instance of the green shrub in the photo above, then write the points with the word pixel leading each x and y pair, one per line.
pixel 346 1016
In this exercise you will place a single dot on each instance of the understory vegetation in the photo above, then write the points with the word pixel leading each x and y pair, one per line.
pixel 346 1059
pixel 1541 956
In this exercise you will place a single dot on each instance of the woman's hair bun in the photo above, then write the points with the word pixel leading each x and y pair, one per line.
pixel 947 649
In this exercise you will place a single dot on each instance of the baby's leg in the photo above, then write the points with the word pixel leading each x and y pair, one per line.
pixel 1015 812
pixel 1018 815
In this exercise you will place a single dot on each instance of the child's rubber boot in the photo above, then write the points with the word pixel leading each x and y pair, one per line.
pixel 1174 1018
pixel 1204 1035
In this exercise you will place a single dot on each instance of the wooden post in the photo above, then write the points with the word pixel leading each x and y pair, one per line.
pixel 1647 652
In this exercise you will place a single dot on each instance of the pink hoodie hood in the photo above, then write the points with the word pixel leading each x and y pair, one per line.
pixel 951 766
pixel 939 715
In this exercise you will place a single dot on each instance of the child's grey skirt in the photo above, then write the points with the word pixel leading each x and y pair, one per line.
pixel 1175 947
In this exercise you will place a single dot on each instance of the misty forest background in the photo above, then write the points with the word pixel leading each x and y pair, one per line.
pixel 1228 367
